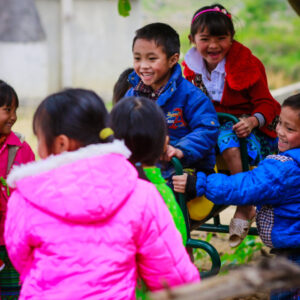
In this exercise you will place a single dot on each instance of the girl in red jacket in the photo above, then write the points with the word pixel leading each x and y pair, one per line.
pixel 236 82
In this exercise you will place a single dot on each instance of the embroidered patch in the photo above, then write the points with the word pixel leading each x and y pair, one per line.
pixel 281 158
pixel 265 222
pixel 175 119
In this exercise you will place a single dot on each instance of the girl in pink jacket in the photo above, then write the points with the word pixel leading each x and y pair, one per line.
pixel 80 223
pixel 13 151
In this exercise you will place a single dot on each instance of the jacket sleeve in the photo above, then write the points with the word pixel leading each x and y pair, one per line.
pixel 261 98
pixel 162 259
pixel 202 119
pixel 266 184
pixel 15 233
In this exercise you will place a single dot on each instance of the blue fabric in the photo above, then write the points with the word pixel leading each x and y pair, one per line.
pixel 191 119
pixel 275 182
pixel 293 294
pixel 259 145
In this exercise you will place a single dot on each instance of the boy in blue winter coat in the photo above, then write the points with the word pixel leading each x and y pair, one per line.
pixel 191 118
pixel 274 187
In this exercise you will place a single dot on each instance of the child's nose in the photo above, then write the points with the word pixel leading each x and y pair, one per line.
pixel 144 64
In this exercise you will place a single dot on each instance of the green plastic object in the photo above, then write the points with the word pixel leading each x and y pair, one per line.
pixel 208 248
pixel 3 182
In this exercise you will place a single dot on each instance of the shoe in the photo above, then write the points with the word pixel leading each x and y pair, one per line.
pixel 238 229
pixel 2 265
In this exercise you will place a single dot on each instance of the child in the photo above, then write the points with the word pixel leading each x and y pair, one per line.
pixel 80 224
pixel 13 151
pixel 121 86
pixel 191 119
pixel 273 187
pixel 141 124
pixel 236 82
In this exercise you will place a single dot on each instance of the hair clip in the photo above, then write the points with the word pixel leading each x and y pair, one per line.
pixel 105 133
pixel 215 9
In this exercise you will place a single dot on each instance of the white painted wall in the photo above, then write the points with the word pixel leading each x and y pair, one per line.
pixel 94 38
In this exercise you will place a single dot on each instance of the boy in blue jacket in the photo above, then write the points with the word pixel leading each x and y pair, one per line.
pixel 191 118
pixel 274 187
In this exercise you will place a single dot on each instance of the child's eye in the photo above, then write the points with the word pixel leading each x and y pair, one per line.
pixel 152 58
pixel 136 58
pixel 204 39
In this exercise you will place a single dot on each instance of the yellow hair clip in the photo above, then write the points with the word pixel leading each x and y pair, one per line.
pixel 105 133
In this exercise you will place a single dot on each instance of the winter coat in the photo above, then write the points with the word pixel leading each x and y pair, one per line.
pixel 274 187
pixel 24 154
pixel 246 89
pixel 81 225
pixel 191 119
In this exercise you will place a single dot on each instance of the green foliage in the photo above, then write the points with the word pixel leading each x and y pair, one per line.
pixel 270 28
pixel 243 254
pixel 124 7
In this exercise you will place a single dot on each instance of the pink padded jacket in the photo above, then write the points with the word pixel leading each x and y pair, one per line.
pixel 24 155
pixel 81 225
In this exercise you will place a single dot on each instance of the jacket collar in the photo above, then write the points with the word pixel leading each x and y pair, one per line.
pixel 13 140
pixel 243 72
pixel 170 87
pixel 55 161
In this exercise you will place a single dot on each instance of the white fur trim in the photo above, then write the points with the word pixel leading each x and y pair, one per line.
pixel 54 161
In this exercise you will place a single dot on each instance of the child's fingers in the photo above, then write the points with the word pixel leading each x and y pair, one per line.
pixel 179 183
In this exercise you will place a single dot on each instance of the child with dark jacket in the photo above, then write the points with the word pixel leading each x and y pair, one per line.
pixel 191 118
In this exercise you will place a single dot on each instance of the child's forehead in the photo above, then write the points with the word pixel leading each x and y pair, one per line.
pixel 147 44
pixel 290 115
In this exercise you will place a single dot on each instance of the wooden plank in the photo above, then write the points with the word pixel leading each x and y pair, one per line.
pixel 266 275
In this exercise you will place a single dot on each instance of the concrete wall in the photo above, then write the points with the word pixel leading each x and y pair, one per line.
pixel 88 44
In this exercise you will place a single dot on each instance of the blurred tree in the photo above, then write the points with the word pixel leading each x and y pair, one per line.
pixel 295 5
pixel 20 22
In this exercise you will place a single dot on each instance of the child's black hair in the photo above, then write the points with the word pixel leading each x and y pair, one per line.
pixel 121 86
pixel 7 95
pixel 141 124
pixel 216 22
pixel 162 34
pixel 77 113
pixel 293 102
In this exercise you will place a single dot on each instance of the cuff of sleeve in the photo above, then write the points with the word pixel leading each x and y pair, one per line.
pixel 191 186
pixel 201 184
pixel 260 118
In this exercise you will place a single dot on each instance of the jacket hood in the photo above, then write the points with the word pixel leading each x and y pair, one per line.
pixel 83 186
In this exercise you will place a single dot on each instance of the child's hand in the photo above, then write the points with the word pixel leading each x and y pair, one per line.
pixel 170 152
pixel 244 127
pixel 179 183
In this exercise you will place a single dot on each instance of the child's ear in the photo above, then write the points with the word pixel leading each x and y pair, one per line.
pixel 63 143
pixel 173 60
pixel 191 38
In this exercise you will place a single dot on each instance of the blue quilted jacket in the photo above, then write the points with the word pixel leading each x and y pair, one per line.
pixel 274 187
pixel 191 119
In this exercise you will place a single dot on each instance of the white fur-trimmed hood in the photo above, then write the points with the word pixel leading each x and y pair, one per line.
pixel 54 161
